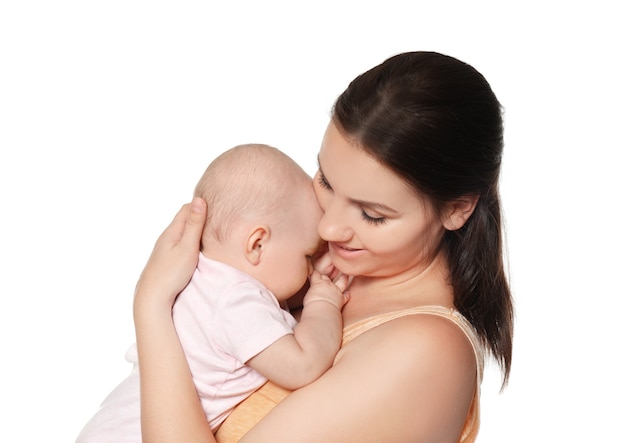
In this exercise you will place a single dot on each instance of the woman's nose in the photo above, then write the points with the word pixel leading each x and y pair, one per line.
pixel 333 225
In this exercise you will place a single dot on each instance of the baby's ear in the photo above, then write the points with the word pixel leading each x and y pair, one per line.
pixel 256 242
pixel 458 211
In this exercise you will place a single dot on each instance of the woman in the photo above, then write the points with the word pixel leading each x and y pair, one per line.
pixel 408 182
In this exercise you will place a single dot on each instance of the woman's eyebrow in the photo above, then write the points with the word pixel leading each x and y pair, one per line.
pixel 372 205
pixel 375 206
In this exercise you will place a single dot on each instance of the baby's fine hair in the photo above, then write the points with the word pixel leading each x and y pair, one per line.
pixel 248 181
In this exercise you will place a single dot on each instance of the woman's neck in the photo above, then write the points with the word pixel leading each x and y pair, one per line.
pixel 370 296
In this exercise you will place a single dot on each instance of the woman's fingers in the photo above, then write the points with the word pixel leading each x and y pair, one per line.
pixel 175 254
pixel 194 225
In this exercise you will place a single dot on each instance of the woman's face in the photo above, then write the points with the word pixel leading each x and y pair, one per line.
pixel 375 223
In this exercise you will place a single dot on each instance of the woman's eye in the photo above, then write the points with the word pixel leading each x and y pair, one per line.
pixel 322 182
pixel 373 220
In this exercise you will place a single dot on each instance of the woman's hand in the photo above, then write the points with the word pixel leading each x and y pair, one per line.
pixel 174 257
pixel 170 407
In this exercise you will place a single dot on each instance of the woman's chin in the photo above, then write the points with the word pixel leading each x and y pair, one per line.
pixel 347 261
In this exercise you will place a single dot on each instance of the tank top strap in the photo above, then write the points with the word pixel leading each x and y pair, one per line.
pixel 352 331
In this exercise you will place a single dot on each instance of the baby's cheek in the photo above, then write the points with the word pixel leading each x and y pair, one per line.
pixel 305 271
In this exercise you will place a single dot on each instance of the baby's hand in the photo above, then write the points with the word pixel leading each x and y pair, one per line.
pixel 324 265
pixel 322 288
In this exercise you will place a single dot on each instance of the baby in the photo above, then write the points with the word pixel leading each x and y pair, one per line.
pixel 257 244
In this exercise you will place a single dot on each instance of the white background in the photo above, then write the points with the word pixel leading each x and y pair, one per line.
pixel 110 111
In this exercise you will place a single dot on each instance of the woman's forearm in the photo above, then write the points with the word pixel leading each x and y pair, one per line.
pixel 170 408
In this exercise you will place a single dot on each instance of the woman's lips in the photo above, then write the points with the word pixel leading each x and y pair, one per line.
pixel 344 251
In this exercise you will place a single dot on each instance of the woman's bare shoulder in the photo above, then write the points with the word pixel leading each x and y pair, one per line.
pixel 414 337
pixel 410 379
pixel 421 349
pixel 423 366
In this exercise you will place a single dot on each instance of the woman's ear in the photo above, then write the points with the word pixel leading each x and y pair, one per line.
pixel 256 242
pixel 458 211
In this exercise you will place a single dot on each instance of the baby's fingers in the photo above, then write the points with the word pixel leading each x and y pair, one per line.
pixel 341 281
pixel 323 263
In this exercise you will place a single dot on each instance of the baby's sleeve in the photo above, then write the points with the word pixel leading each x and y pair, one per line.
pixel 251 320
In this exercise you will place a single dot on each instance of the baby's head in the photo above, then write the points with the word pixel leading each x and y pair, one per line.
pixel 262 216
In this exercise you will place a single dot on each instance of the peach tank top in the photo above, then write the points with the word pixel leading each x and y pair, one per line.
pixel 255 407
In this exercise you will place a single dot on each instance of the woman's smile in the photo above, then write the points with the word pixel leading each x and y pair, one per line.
pixel 344 252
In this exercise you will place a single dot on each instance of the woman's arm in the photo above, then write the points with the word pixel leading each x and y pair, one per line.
pixel 170 408
pixel 409 380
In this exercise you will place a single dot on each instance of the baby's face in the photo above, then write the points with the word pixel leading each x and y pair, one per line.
pixel 287 260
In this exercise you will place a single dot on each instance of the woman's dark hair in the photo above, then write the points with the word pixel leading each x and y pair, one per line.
pixel 435 121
